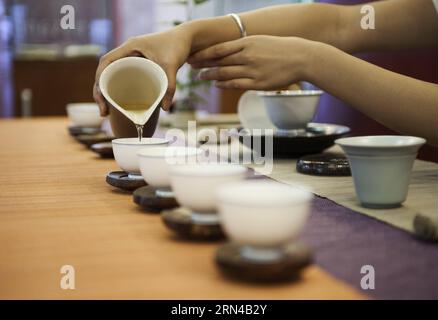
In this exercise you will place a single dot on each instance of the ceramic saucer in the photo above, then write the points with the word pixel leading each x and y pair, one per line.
pixel 105 149
pixel 193 226
pixel 148 199
pixel 294 143
pixel 125 181
pixel 247 264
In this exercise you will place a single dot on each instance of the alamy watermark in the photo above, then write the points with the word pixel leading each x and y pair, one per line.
pixel 256 147
pixel 68 17
pixel 368 280
pixel 68 279
pixel 368 20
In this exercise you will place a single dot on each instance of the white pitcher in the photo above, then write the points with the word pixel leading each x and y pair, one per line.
pixel 131 82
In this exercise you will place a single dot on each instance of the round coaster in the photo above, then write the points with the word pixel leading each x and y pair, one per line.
pixel 105 149
pixel 147 198
pixel 122 180
pixel 76 130
pixel 287 266
pixel 90 139
pixel 186 225
pixel 325 164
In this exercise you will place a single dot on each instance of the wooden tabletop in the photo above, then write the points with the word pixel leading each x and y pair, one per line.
pixel 56 209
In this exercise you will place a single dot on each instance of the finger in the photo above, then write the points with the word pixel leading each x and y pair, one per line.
pixel 111 56
pixel 225 73
pixel 231 60
pixel 217 51
pixel 171 87
pixel 100 100
pixel 243 83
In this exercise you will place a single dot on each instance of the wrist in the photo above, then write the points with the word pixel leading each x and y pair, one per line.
pixel 316 54
pixel 204 33
pixel 308 59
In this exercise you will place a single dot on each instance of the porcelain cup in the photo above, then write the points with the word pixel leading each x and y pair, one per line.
pixel 291 109
pixel 125 151
pixel 381 167
pixel 85 115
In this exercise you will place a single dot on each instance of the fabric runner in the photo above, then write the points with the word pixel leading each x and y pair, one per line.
pixel 344 241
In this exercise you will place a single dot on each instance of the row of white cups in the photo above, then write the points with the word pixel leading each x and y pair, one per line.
pixel 252 212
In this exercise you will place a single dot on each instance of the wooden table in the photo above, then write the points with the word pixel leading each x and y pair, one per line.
pixel 56 209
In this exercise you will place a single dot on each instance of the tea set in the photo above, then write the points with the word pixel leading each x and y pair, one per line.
pixel 204 200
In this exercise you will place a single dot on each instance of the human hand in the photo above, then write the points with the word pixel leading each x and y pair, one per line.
pixel 255 62
pixel 168 49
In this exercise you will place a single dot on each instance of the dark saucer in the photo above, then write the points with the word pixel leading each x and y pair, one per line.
pixel 90 139
pixel 287 266
pixel 77 130
pixel 324 164
pixel 104 149
pixel 294 143
pixel 124 181
pixel 188 226
pixel 146 197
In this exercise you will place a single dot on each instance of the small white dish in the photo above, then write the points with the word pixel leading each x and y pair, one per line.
pixel 195 185
pixel 85 115
pixel 291 109
pixel 381 167
pixel 155 164
pixel 252 112
pixel 263 214
pixel 125 152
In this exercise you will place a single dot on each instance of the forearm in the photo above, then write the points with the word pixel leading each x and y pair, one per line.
pixel 404 104
pixel 399 24
pixel 317 22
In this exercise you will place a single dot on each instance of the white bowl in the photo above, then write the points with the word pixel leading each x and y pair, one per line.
pixel 252 112
pixel 84 114
pixel 195 185
pixel 263 213
pixel 293 109
pixel 155 163
pixel 125 151
pixel 381 167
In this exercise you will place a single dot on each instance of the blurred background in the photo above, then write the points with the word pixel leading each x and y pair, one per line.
pixel 43 67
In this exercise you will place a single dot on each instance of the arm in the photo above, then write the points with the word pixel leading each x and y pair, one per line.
pixel 401 103
pixel 404 104
pixel 172 48
pixel 399 24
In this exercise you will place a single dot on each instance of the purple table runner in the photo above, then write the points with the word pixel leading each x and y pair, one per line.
pixel 344 241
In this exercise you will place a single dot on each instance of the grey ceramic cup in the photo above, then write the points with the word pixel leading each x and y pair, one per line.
pixel 381 168
pixel 291 109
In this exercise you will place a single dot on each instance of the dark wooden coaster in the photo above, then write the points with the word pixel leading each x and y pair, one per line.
pixel 122 180
pixel 146 198
pixel 76 130
pixel 295 257
pixel 90 139
pixel 180 221
pixel 105 149
pixel 325 164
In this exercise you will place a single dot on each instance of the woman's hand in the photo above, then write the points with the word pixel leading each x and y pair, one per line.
pixel 255 62
pixel 169 49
